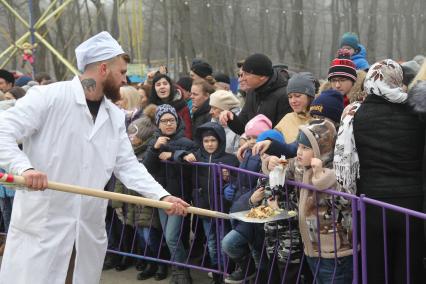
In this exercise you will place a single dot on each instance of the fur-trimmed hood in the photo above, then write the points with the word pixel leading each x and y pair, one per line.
pixel 417 97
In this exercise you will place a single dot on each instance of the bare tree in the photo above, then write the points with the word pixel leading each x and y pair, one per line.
pixel 372 31
pixel 390 28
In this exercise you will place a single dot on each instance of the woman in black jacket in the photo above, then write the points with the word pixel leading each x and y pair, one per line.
pixel 390 141
pixel 167 144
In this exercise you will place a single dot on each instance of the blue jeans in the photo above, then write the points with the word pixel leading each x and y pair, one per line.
pixel 150 239
pixel 344 269
pixel 237 247
pixel 6 204
pixel 210 232
pixel 172 230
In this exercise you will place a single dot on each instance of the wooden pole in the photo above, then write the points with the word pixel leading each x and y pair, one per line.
pixel 8 178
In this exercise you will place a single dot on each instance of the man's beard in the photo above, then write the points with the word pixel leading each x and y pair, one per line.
pixel 111 91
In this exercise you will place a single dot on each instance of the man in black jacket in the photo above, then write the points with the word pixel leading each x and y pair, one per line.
pixel 267 94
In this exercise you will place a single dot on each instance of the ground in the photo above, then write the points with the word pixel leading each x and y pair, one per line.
pixel 129 277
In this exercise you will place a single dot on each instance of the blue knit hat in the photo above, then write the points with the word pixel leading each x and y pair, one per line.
pixel 271 135
pixel 350 39
pixel 163 109
pixel 22 81
pixel 328 104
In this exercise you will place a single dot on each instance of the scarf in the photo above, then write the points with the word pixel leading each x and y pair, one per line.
pixel 346 161
pixel 384 79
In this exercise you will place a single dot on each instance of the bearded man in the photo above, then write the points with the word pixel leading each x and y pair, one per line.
pixel 72 133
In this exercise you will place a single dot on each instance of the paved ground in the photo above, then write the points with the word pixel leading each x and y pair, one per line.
pixel 129 277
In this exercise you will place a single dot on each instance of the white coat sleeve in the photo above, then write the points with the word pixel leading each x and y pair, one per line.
pixel 133 174
pixel 17 124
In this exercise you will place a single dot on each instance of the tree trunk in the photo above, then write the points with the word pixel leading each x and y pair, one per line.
pixel 115 29
pixel 372 31
pixel 298 27
pixel 40 55
pixel 390 28
pixel 282 32
pixel 335 28
pixel 11 22
pixel 354 16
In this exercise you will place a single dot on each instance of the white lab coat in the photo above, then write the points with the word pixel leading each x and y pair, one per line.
pixel 60 139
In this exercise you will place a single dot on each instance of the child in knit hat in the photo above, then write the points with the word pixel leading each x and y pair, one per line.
pixel 167 143
pixel 225 100
pixel 358 54
pixel 342 74
pixel 314 165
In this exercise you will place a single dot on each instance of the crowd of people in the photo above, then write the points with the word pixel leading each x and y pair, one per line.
pixel 360 131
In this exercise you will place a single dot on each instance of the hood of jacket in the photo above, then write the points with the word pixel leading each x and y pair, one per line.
pixel 275 82
pixel 322 136
pixel 360 58
pixel 220 132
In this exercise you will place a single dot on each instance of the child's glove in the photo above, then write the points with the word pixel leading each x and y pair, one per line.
pixel 229 192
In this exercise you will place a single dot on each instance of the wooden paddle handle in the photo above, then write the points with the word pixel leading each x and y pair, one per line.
pixel 113 196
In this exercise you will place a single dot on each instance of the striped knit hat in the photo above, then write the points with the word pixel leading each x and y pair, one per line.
pixel 342 66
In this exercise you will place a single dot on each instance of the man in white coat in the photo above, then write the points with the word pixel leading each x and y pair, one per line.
pixel 71 133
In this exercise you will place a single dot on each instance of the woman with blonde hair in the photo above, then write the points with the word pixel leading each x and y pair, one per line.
pixel 130 98
pixel 421 75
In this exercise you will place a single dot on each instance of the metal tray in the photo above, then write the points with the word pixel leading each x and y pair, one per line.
pixel 241 216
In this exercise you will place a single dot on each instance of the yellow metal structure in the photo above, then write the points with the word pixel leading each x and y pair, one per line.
pixel 40 23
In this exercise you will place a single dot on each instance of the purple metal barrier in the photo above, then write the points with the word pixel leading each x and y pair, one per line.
pixel 219 227
pixel 385 208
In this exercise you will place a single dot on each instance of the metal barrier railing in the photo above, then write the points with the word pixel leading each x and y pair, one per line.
pixel 197 257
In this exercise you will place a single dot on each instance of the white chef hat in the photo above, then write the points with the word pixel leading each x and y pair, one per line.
pixel 97 48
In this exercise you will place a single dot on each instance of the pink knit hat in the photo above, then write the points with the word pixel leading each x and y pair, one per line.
pixel 257 125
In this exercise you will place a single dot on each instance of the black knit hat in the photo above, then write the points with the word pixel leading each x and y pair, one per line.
pixel 342 66
pixel 202 69
pixel 258 64
pixel 7 76
pixel 221 77
pixel 185 83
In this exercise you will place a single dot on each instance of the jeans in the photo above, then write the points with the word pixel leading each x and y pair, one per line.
pixel 6 204
pixel 210 233
pixel 237 247
pixel 172 231
pixel 150 240
pixel 344 269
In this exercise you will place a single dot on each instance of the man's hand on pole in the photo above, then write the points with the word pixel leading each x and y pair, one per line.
pixel 178 205
pixel 35 180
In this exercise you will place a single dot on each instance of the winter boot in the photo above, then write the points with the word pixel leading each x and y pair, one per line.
pixel 180 275
pixel 148 272
pixel 244 271
pixel 161 272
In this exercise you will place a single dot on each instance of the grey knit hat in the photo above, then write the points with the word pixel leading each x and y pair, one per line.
pixel 163 109
pixel 302 83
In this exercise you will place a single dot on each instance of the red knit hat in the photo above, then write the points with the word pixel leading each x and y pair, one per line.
pixel 342 66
